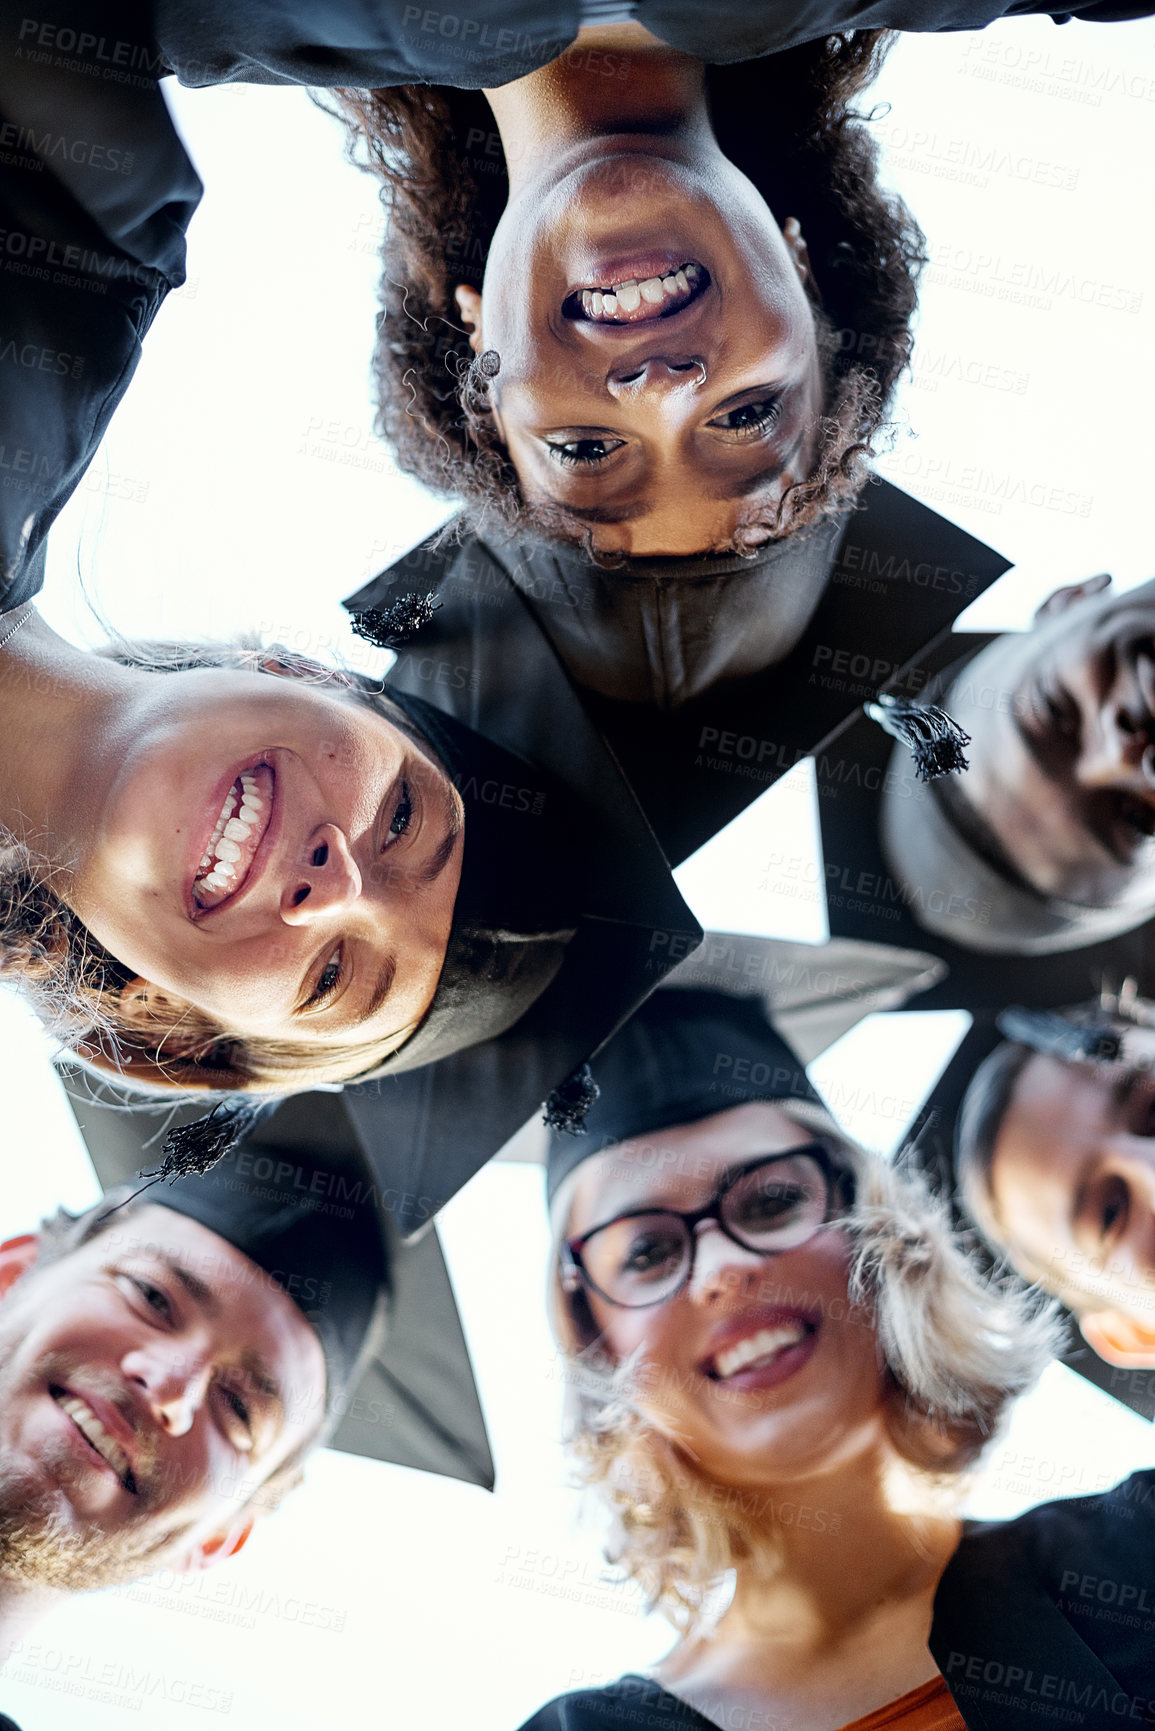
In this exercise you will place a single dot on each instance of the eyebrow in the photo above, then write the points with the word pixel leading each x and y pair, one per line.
pixel 381 990
pixel 600 513
pixel 443 852
pixel 752 484
pixel 643 507
pixel 200 1293
pixel 259 1373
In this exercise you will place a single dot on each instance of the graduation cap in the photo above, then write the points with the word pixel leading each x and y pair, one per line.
pixel 684 1056
pixel 121 240
pixel 727 719
pixel 812 993
pixel 583 856
pixel 869 896
pixel 300 1199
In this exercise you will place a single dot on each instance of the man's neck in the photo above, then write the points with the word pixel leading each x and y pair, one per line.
pixel 21 1607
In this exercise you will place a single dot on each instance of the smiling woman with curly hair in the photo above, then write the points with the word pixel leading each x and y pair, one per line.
pixel 643 304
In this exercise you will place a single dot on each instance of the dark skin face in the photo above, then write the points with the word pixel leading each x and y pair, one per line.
pixel 668 424
pixel 1073 1189
pixel 1062 759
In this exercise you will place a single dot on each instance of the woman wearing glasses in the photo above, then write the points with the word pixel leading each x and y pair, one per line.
pixel 785 1365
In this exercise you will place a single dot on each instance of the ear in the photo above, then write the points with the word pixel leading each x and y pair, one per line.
pixel 469 306
pixel 16 1257
pixel 206 1552
pixel 1120 1339
pixel 792 235
pixel 1071 595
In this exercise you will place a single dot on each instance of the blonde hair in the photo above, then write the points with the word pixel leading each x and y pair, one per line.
pixel 957 1348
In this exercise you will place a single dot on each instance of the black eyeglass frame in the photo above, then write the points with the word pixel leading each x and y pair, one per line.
pixel 574 1273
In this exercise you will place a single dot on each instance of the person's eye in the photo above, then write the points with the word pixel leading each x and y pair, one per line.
pixel 750 420
pixel 772 1202
pixel 237 1417
pixel 651 1253
pixel 1135 815
pixel 1055 709
pixel 1114 1208
pixel 583 453
pixel 154 1297
pixel 402 817
pixel 328 980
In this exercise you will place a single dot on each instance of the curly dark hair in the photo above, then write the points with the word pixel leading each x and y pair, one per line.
pixel 785 121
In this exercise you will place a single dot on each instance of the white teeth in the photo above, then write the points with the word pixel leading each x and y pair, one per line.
pixel 609 303
pixel 681 280
pixel 767 1343
pixel 651 290
pixel 86 1420
pixel 207 861
pixel 237 830
pixel 629 297
pixel 587 302
pixel 597 303
pixel 227 850
pixel 669 285
pixel 252 802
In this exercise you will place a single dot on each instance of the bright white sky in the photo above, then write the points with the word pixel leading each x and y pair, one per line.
pixel 240 487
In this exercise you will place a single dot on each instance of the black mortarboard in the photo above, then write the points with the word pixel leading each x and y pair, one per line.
pixel 685 1055
pixel 299 1198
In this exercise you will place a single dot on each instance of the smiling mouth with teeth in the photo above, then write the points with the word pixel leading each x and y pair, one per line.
pixel 237 834
pixel 634 302
pixel 96 1436
pixel 760 1349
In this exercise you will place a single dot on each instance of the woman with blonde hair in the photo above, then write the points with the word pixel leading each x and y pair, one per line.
pixel 783 1367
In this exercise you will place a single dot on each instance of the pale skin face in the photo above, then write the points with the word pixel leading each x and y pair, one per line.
pixel 333 932
pixel 839 1626
pixel 1062 753
pixel 202 1375
pixel 831 1401
pixel 663 432
pixel 1073 1190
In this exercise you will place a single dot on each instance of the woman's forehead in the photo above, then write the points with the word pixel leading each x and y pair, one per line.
pixel 681 1165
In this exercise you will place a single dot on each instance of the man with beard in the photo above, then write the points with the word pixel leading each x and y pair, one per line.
pixel 167 1362
pixel 1051 830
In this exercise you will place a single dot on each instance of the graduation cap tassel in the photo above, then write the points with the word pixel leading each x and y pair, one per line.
pixel 934 738
pixel 566 1108
pixel 191 1150
pixel 391 627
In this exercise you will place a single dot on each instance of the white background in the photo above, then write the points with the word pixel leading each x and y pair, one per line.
pixel 240 488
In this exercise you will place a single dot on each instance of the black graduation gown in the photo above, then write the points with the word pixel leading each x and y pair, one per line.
pixel 483 44
pixel 1044 1620
pixel 96 190
pixel 428 1130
